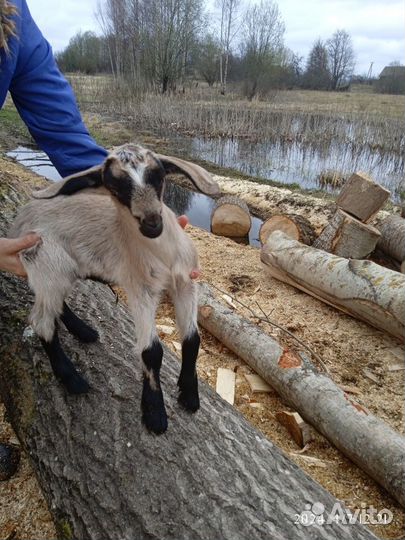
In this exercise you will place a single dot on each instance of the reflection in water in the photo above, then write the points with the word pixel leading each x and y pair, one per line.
pixel 296 162
pixel 196 206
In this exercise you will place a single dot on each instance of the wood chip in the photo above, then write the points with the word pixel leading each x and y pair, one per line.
pixel 300 431
pixel 228 300
pixel 396 366
pixel 370 375
pixel 164 329
pixel 315 462
pixel 176 346
pixel 226 384
pixel 350 389
pixel 257 384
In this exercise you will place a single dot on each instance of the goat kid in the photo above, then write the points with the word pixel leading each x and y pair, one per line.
pixel 109 223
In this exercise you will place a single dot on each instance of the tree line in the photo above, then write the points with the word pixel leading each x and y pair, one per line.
pixel 165 45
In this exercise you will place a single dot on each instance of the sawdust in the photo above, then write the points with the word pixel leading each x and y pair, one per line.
pixel 347 347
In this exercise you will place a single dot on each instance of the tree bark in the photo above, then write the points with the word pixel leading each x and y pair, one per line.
pixel 347 237
pixel 212 475
pixel 362 289
pixel 364 438
pixel 231 217
pixel 362 197
pixel 392 241
pixel 295 226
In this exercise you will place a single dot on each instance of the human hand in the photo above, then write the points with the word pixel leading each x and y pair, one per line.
pixel 9 252
pixel 183 222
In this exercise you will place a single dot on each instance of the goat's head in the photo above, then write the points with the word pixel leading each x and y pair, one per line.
pixel 135 176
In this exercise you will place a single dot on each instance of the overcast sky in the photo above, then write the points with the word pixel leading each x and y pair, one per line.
pixel 377 27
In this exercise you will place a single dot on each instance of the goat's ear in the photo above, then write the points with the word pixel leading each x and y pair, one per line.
pixel 201 178
pixel 76 182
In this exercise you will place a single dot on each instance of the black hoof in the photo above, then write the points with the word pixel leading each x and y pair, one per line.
pixel 154 415
pixel 188 396
pixel 155 420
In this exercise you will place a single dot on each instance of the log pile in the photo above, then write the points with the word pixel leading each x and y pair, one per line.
pixel 349 233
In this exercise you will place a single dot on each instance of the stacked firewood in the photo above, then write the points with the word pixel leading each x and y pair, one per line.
pixel 349 233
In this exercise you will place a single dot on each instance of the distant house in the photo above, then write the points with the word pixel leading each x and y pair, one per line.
pixel 393 71
pixel 391 80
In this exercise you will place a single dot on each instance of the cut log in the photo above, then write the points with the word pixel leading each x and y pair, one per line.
pixel 295 226
pixel 362 289
pixel 348 237
pixel 231 217
pixel 362 197
pixel 368 441
pixel 211 475
pixel 299 430
pixel 392 240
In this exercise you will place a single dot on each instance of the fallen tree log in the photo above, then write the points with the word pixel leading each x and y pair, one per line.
pixel 362 289
pixel 365 439
pixel 231 217
pixel 392 240
pixel 211 475
pixel 295 226
pixel 362 197
pixel 347 237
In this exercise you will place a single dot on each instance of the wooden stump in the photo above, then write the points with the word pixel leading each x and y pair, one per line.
pixel 347 237
pixel 231 217
pixel 362 289
pixel 362 197
pixel 295 226
pixel 392 240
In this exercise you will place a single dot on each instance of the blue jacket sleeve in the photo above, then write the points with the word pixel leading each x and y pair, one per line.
pixel 46 103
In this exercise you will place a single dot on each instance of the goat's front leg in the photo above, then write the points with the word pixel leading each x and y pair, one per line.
pixel 184 297
pixel 143 308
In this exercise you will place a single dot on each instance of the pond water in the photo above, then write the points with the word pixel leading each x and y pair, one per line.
pixel 296 162
pixel 196 206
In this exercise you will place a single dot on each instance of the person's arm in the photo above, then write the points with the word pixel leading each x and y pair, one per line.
pixel 46 102
pixel 9 252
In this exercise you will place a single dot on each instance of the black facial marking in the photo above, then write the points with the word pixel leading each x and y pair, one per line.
pixel 120 186
pixel 63 368
pixel 81 182
pixel 155 176
pixel 77 327
pixel 154 415
pixel 188 382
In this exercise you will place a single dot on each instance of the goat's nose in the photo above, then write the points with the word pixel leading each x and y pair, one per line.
pixel 151 225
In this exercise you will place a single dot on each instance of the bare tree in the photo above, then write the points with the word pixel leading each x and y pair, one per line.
pixel 317 75
pixel 229 12
pixel 207 60
pixel 262 48
pixel 341 57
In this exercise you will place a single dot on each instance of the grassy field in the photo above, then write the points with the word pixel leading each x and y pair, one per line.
pixel 310 117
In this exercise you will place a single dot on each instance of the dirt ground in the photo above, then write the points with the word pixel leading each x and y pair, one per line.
pixel 346 346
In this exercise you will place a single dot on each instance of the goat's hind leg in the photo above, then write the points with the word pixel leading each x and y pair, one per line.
pixel 76 326
pixel 185 303
pixel 49 299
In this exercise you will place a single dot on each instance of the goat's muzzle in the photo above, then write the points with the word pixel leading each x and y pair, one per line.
pixel 152 226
